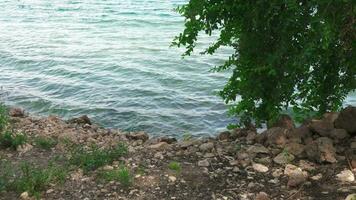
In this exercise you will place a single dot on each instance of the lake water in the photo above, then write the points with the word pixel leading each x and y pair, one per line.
pixel 109 59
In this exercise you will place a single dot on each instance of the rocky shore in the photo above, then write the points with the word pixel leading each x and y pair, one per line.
pixel 316 160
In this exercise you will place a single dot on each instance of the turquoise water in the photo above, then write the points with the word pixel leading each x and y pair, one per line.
pixel 109 59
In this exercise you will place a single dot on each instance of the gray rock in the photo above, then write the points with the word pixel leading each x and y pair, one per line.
pixel 203 163
pixel 206 147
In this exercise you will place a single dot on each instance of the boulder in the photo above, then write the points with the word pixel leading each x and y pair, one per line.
pixel 321 150
pixel 330 117
pixel 276 136
pixel 321 127
pixel 347 120
pixel 295 148
pixel 84 119
pixel 284 121
pixel 339 134
pixel 301 134
pixel 351 197
pixel 16 112
pixel 138 136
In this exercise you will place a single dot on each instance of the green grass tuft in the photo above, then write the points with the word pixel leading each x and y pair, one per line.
pixel 45 142
pixel 11 140
pixel 121 175
pixel 93 158
pixel 175 166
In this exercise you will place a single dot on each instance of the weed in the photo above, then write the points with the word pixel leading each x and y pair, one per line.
pixel 93 158
pixel 175 166
pixel 5 174
pixel 35 180
pixel 45 142
pixel 121 175
pixel 187 136
pixel 3 117
pixel 11 140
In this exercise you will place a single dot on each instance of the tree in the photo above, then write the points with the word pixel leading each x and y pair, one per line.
pixel 287 53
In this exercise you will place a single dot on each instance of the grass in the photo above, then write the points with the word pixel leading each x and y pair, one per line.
pixel 93 158
pixel 175 166
pixel 30 179
pixel 187 136
pixel 11 140
pixel 34 180
pixel 121 175
pixel 45 142
pixel 4 118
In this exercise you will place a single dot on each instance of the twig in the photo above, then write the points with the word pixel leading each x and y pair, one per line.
pixel 301 187
pixel 348 162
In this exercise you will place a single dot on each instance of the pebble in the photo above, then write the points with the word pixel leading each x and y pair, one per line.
pixel 203 163
pixel 260 168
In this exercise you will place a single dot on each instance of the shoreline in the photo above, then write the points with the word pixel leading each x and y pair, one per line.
pixel 314 161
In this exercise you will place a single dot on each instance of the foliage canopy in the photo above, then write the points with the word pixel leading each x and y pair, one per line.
pixel 287 53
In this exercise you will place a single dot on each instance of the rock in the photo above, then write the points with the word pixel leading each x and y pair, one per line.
pixel 260 168
pixel 251 136
pixel 108 168
pixel 25 196
pixel 351 197
pixel 16 112
pixel 330 117
pixel 296 175
pixel 346 176
pixel 317 177
pixel 295 148
pixel 169 140
pixel 353 145
pixel 206 147
pixel 185 144
pixel 321 150
pixel 256 149
pixel 262 196
pixel 224 135
pixel 306 165
pixel 339 134
pixel 203 163
pixel 321 127
pixel 276 136
pixel 284 121
pixel 300 134
pixel 24 148
pixel 172 178
pixel 84 119
pixel 283 158
pixel 296 179
pixel 160 145
pixel 49 191
pixel 138 136
pixel 346 120
pixel 353 163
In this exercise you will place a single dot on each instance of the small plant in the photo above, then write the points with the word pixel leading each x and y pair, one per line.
pixel 94 157
pixel 5 175
pixel 11 140
pixel 175 166
pixel 45 142
pixel 187 136
pixel 3 118
pixel 287 156
pixel 35 180
pixel 121 175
